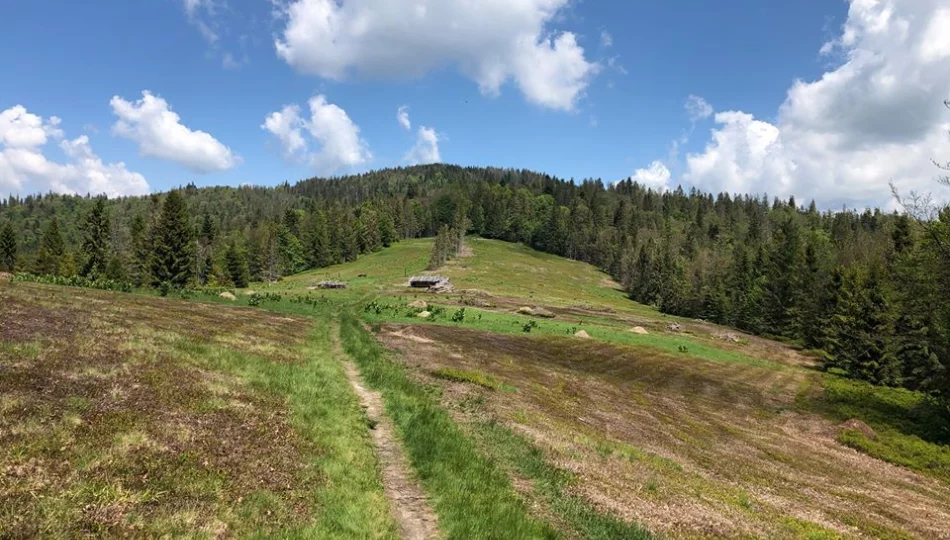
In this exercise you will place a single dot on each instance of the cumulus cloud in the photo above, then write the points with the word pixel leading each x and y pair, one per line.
pixel 491 42
pixel 24 168
pixel 656 176
pixel 158 130
pixel 606 39
pixel 876 117
pixel 336 136
pixel 402 116
pixel 426 149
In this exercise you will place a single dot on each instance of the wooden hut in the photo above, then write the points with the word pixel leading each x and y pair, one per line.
pixel 428 282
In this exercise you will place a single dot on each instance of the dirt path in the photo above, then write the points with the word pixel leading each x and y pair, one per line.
pixel 410 506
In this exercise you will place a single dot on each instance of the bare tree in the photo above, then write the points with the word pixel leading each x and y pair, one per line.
pixel 945 167
pixel 927 212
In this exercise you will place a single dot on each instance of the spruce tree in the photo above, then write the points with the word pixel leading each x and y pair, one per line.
pixel 172 248
pixel 8 248
pixel 51 251
pixel 291 253
pixel 116 269
pixel 141 252
pixel 236 264
pixel 317 241
pixel 97 233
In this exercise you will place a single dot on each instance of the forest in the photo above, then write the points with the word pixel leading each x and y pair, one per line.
pixel 868 291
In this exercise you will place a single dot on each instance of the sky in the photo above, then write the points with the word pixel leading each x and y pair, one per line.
pixel 830 100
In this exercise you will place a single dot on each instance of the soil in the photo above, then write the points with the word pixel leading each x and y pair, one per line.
pixel 410 506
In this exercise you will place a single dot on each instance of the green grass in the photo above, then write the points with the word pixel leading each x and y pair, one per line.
pixel 393 310
pixel 909 428
pixel 553 485
pixel 471 495
pixel 161 417
pixel 473 377
pixel 350 497
pixel 501 268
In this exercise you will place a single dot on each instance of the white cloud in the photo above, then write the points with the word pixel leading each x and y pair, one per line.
pixel 24 168
pixel 491 41
pixel 698 108
pixel 336 135
pixel 402 116
pixel 606 39
pixel 656 176
pixel 614 63
pixel 201 14
pixel 158 130
pixel 287 126
pixel 426 149
pixel 877 117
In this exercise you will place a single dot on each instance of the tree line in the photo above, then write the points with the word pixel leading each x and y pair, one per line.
pixel 868 290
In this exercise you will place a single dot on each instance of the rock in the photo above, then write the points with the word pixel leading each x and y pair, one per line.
pixel 639 330
pixel 674 327
pixel 249 293
pixel 424 315
pixel 4 276
pixel 525 311
pixel 582 334
pixel 729 336
pixel 419 304
pixel 543 313
pixel 228 296
pixel 859 426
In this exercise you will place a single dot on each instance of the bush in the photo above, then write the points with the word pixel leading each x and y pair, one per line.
pixel 76 281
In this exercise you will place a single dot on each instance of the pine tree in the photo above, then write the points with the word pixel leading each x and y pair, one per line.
pixel 52 249
pixel 97 233
pixel 317 241
pixel 291 253
pixel 8 248
pixel 781 284
pixel 172 248
pixel 236 264
pixel 876 362
pixel 141 252
pixel 116 269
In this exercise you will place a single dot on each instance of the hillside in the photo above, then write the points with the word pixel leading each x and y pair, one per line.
pixel 680 429
pixel 869 290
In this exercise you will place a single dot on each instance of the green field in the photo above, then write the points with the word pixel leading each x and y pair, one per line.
pixel 130 414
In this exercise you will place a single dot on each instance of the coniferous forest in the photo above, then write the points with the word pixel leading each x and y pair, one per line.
pixel 867 290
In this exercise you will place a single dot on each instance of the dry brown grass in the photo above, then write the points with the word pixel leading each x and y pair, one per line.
pixel 110 428
pixel 688 448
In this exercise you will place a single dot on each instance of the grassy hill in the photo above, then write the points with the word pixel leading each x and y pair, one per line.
pixel 512 424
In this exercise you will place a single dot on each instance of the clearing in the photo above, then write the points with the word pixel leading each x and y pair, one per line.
pixel 127 415
pixel 489 418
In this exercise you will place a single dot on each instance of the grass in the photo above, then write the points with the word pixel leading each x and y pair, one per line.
pixel 509 323
pixel 909 428
pixel 471 376
pixel 351 501
pixel 472 496
pixel 502 268
pixel 161 417
pixel 553 485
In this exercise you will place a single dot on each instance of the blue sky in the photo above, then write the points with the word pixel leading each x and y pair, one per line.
pixel 586 89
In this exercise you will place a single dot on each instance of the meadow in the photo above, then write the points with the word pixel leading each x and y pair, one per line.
pixel 206 416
